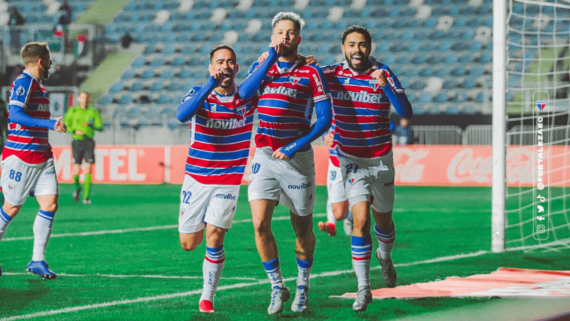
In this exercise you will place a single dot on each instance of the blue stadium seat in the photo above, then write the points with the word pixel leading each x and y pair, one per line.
pixel 418 85
pixel 460 97
pixel 445 45
pixel 460 21
pixel 120 111
pixel 139 27
pixel 468 34
pixel 389 59
pixel 134 17
pixel 425 97
pixel 126 99
pixel 405 60
pixel 116 87
pixel 442 71
pixel 432 110
pixel 328 60
pixel 167 73
pixel 430 22
pixel 414 46
pixel 188 49
pixel 163 99
pixel 111 28
pixel 411 97
pixel 459 71
pixel 458 46
pixel 175 86
pixel 485 58
pixel 422 34
pixel 449 83
pixel 426 72
pixel 437 34
pixel 469 83
pixel 134 112
pixel 435 59
pixel 480 97
pixel 185 73
pixel 469 110
pixel 418 110
pixel 147 74
pixel 178 61
pixel 171 37
pixel 136 86
pixel 419 59
pixel 407 35
pixel 105 100
pixel 489 46
pixel 169 49
pixel 157 86
pixel 477 71
pixel 139 62
pixel 476 46
pixel 467 58
pixel 428 46
pixel 452 110
pixel 411 71
pixel 150 49
pixel 158 61
pixel 173 124
pixel 169 111
pixel 128 74
pixel 441 97
pixel 113 38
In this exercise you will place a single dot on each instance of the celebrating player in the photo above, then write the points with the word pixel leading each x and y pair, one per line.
pixel 283 165
pixel 27 161
pixel 362 90
pixel 222 120
pixel 337 204
pixel 82 121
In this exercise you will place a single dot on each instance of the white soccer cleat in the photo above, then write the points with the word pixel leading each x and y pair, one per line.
pixel 347 225
pixel 301 301
pixel 87 201
pixel 388 270
pixel 363 298
pixel 278 297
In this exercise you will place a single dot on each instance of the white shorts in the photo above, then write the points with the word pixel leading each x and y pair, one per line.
pixel 369 179
pixel 291 183
pixel 20 179
pixel 335 187
pixel 202 204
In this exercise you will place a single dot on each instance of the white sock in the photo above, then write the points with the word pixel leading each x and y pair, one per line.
pixel 361 253
pixel 349 216
pixel 330 214
pixel 4 222
pixel 42 231
pixel 305 268
pixel 385 241
pixel 273 271
pixel 212 269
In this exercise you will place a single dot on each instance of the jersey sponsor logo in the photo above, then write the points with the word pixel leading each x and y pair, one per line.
pixel 281 90
pixel 294 80
pixel 225 124
pixel 361 96
pixel 20 91
pixel 319 84
pixel 374 84
pixel 288 148
pixel 50 173
pixel 43 107
pixel 303 71
pixel 300 186
pixel 225 196
pixel 391 81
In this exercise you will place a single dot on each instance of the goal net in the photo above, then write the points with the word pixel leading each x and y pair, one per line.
pixel 537 162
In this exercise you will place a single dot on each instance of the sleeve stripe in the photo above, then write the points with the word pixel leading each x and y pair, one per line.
pixel 17 103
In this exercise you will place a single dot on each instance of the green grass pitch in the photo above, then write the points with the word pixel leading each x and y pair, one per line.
pixel 106 269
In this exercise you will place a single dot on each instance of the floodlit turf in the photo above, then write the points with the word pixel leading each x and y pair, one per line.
pixel 431 222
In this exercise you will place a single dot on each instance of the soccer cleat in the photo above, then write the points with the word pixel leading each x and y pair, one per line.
pixel 388 270
pixel 328 227
pixel 76 194
pixel 347 225
pixel 278 296
pixel 41 268
pixel 206 306
pixel 301 301
pixel 363 298
pixel 87 201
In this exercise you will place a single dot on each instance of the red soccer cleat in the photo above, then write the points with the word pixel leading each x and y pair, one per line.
pixel 206 306
pixel 328 227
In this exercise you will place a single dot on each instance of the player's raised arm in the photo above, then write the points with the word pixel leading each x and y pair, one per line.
pixel 196 96
pixel 250 86
pixel 323 108
pixel 397 96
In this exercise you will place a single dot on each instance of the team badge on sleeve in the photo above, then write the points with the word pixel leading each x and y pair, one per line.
pixel 20 91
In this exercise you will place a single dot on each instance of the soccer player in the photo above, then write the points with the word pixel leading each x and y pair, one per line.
pixel 27 161
pixel 362 91
pixel 222 122
pixel 337 204
pixel 283 164
pixel 82 121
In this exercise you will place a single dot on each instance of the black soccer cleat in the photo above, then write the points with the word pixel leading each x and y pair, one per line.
pixel 76 195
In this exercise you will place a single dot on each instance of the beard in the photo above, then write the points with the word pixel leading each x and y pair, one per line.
pixel 361 67
pixel 288 51
pixel 44 73
pixel 227 85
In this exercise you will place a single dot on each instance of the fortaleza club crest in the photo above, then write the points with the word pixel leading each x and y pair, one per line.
pixel 294 80
pixel 374 84
pixel 541 104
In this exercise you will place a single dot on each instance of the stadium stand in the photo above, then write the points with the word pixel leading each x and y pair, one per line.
pixel 47 12
pixel 441 49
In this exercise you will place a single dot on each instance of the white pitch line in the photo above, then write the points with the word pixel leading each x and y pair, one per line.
pixel 221 288
pixel 140 229
pixel 138 276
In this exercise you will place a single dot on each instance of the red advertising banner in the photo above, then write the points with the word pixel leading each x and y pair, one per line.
pixel 439 165
pixel 126 164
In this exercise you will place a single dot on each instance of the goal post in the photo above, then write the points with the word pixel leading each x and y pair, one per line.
pixel 499 125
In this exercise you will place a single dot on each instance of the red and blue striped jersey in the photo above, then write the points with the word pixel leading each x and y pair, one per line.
pixel 332 151
pixel 30 144
pixel 286 101
pixel 220 138
pixel 361 110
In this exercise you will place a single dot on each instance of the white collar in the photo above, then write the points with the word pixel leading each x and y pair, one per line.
pixel 31 75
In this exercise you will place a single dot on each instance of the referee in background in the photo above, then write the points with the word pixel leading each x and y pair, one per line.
pixel 82 121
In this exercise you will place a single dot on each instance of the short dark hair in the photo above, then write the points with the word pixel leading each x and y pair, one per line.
pixel 33 51
pixel 220 47
pixel 358 29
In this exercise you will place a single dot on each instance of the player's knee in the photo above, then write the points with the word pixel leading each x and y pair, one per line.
pixel 51 207
pixel 189 245
pixel 11 210
pixel 261 227
pixel 340 213
pixel 303 228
